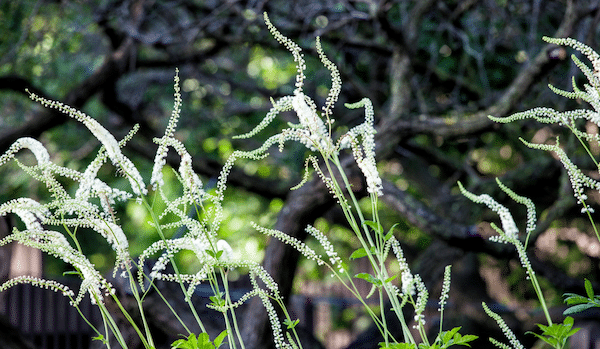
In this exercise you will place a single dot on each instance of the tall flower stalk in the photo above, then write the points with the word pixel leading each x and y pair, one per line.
pixel 555 334
pixel 53 227
pixel 314 130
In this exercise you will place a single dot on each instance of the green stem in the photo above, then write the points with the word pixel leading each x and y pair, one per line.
pixel 171 259
pixel 231 310
pixel 533 278
pixel 378 268
pixel 148 343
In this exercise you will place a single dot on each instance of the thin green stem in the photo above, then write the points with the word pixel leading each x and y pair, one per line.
pixel 231 310
pixel 146 342
pixel 175 268
pixel 378 268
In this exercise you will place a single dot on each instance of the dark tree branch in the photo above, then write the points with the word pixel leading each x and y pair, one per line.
pixel 115 64
pixel 393 130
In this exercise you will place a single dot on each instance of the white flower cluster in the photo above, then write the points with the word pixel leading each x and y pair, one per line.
pixel 505 329
pixel 189 179
pixel 298 245
pixel 365 155
pixel 509 227
pixel 445 288
pixel 589 94
pixel 55 244
pixel 37 282
pixel 408 280
pixel 293 48
pixel 105 137
pixel 170 248
pixel 29 211
pixel 315 135
pixel 312 130
pixel 334 259
pixel 36 147
pixel 336 82
pixel 509 231
pixel 579 180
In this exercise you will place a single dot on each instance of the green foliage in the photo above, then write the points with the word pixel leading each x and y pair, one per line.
pixel 580 303
pixel 200 342
pixel 557 334
pixel 397 346
pixel 445 339
pixel 291 323
pixel 554 334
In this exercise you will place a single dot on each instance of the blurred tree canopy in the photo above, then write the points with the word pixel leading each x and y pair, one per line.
pixel 434 71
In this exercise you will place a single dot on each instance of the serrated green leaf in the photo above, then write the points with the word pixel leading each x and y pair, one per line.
pixel 568 321
pixel 578 308
pixel 573 298
pixel 447 335
pixel 463 340
pixel 572 331
pixel 204 341
pixel 290 324
pixel 550 341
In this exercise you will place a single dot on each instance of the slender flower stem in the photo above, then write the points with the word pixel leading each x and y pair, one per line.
pixel 162 236
pixel 378 268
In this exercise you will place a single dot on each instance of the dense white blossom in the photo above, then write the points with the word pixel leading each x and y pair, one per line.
pixel 105 137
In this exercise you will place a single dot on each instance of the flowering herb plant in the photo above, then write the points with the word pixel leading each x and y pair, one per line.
pixel 92 207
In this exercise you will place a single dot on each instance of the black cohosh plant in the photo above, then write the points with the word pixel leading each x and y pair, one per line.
pixel 554 334
pixel 52 227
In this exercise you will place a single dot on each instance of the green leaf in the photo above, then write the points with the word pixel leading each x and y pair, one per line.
pixel 452 337
pixel 557 334
pixel 204 341
pixel 217 299
pixel 99 338
pixel 361 252
pixel 290 324
pixel 447 335
pixel 189 343
pixel 390 232
pixel 550 341
pixel 377 228
pixel 390 279
pixel 588 289
pixel 368 277
pixel 463 340
pixel 573 298
pixel 219 339
pixel 578 308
